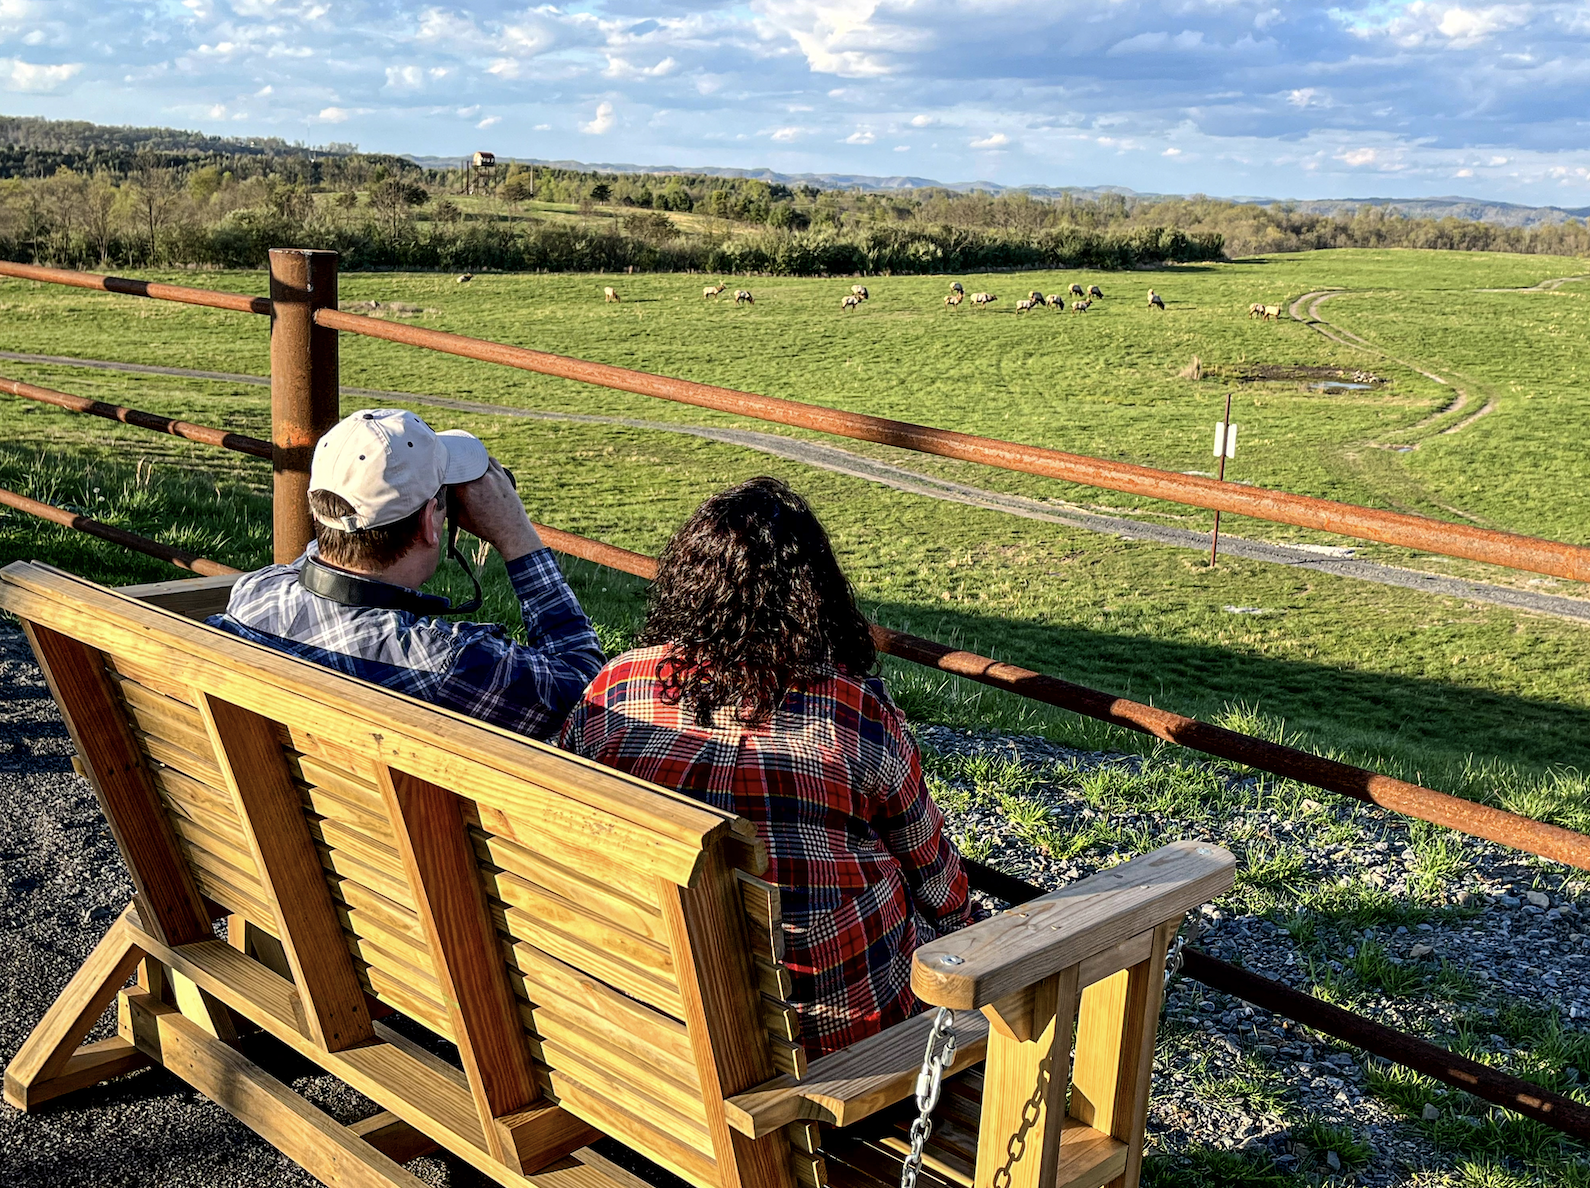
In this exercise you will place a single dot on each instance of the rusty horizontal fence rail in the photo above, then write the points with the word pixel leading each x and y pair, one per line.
pixel 1489 1084
pixel 237 302
pixel 118 536
pixel 1555 558
pixel 143 420
pixel 1330 775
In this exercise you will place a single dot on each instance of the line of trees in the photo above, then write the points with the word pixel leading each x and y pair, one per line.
pixel 85 196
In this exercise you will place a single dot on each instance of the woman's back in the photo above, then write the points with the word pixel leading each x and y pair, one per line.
pixel 833 782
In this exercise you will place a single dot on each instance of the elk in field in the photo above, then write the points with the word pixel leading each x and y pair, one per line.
pixel 1256 310
pixel 744 295
pixel 1155 300
pixel 1076 291
pixel 1024 305
pixel 954 299
pixel 859 291
pixel 983 298
pixel 955 287
pixel 1095 291
pixel 714 290
pixel 1081 306
pixel 850 301
pixel 466 278
pixel 609 294
pixel 1271 312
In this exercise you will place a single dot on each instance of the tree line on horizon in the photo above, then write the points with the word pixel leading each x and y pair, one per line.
pixel 80 195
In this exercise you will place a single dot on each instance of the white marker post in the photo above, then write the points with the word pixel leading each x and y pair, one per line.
pixel 1225 447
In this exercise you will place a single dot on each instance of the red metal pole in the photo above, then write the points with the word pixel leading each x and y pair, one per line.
pixel 304 395
pixel 144 420
pixel 1551 557
pixel 118 536
pixel 1214 541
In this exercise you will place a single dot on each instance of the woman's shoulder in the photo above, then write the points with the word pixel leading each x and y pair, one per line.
pixel 866 696
pixel 638 664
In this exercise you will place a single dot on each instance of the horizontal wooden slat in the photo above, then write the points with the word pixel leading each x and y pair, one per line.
pixel 764 913
pixel 181 729
pixel 199 767
pixel 349 865
pixel 644 1068
pixel 779 1019
pixel 643 1098
pixel 634 982
pixel 628 906
pixel 533 911
pixel 186 794
pixel 772 979
pixel 654 1143
pixel 811 1171
pixel 787 1057
pixel 150 677
pixel 329 804
pixel 218 845
pixel 597 1008
pixel 390 919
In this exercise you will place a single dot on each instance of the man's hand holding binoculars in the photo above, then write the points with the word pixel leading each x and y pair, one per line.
pixel 490 508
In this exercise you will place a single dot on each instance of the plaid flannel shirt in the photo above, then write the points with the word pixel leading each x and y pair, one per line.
pixel 834 786
pixel 474 668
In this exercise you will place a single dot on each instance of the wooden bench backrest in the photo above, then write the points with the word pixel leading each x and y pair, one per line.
pixel 632 974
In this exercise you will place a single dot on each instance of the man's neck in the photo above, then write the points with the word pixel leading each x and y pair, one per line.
pixel 409 571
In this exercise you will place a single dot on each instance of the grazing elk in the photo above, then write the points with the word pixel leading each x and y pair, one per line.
pixel 744 295
pixel 1081 306
pixel 1024 305
pixel 1076 291
pixel 714 290
pixel 1155 300
pixel 1271 312
pixel 1095 291
pixel 954 299
pixel 1035 297
pixel 859 291
pixel 955 287
pixel 466 278
pixel 983 298
pixel 850 301
pixel 609 294
pixel 1256 310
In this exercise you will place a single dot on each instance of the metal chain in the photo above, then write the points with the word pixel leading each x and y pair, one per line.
pixel 1191 929
pixel 928 1083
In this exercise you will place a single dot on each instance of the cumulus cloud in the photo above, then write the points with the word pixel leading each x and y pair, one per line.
pixel 335 115
pixel 861 136
pixel 997 140
pixel 32 78
pixel 785 135
pixel 489 121
pixel 602 122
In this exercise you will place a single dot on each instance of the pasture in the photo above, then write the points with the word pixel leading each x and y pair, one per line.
pixel 1424 685
pixel 1473 698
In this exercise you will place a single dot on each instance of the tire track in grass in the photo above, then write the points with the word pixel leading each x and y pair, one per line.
pixel 1336 560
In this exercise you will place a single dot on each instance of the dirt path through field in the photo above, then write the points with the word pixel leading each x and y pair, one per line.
pixel 1320 558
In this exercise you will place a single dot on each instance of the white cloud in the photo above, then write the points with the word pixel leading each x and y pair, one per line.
pixel 334 115
pixel 997 140
pixel 902 148
pixel 602 122
pixel 1425 23
pixel 28 78
pixel 542 128
pixel 1171 152
pixel 620 68
pixel 489 121
pixel 861 136
pixel 218 112
pixel 414 78
pixel 785 135
pixel 924 121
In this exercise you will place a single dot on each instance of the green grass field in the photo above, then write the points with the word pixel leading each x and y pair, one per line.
pixel 1430 687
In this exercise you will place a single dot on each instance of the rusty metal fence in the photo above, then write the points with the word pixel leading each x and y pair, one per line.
pixel 305 322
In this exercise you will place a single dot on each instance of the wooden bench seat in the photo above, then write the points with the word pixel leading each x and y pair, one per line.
pixel 602 952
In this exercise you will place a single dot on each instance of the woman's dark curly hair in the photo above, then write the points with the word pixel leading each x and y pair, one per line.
pixel 752 604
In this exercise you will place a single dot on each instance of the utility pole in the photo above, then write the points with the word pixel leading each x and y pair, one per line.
pixel 1225 447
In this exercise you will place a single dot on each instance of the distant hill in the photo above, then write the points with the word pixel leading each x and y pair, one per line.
pixel 30 146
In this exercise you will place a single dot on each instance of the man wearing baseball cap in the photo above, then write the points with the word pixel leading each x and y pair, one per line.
pixel 379 485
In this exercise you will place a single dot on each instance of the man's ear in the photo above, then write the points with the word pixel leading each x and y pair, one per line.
pixel 431 524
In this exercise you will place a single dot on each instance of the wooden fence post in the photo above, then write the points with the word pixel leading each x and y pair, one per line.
pixel 304 385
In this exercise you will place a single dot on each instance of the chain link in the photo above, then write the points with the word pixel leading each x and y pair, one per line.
pixel 1191 929
pixel 928 1084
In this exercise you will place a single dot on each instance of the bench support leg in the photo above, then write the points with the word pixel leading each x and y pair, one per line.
pixel 50 1063
pixel 325 1148
pixel 1115 1052
pixel 1024 1083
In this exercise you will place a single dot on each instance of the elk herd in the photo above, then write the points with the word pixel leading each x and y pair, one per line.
pixel 1081 300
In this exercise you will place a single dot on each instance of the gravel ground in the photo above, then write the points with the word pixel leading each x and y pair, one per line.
pixel 1514 932
pixel 1228 1078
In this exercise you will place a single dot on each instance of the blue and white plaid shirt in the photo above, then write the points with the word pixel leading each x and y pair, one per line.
pixel 474 668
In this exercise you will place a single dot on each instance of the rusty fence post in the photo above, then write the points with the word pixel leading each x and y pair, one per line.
pixel 304 398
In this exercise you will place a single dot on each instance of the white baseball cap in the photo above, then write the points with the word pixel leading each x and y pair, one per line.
pixel 386 462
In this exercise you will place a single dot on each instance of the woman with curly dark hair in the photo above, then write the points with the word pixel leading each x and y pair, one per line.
pixel 754 691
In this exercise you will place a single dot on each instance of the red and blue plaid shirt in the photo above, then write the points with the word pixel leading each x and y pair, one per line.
pixel 834 786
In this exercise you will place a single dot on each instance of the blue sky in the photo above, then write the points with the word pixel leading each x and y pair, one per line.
pixel 1218 96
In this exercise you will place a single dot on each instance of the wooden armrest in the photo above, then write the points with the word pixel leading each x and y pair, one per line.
pixel 844 1087
pixel 979 965
pixel 196 598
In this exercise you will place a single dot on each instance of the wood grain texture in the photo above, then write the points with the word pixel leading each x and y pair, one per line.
pixel 192 598
pixel 845 1087
pixel 95 718
pixel 440 861
pixel 1026 944
pixel 588 810
pixel 290 873
pixel 393 1137
pixel 1024 1088
pixel 707 930
pixel 51 1045
pixel 317 1142
pixel 1144 993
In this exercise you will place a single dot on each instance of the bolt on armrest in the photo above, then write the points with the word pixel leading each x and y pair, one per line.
pixel 1018 948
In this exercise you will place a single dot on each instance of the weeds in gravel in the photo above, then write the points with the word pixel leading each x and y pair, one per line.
pixel 1378 970
pixel 1320 1136
pixel 1204 1167
pixel 1439 860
